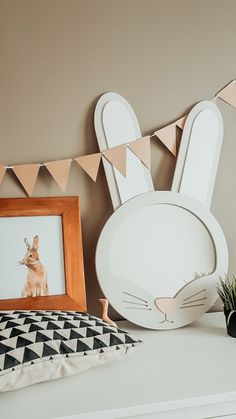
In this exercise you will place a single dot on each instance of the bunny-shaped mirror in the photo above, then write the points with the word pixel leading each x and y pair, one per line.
pixel 160 254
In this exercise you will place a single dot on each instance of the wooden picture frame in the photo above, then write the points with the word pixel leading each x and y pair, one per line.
pixel 67 208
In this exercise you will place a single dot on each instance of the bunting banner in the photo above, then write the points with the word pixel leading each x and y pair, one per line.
pixel 90 164
pixel 167 135
pixel 181 121
pixel 228 94
pixel 142 149
pixel 117 157
pixel 2 173
pixel 27 175
pixel 59 169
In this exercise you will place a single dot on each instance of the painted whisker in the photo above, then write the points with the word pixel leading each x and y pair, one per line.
pixel 138 308
pixel 196 305
pixel 191 296
pixel 134 302
pixel 134 296
pixel 194 301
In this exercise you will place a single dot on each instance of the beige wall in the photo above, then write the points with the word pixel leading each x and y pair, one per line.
pixel 59 56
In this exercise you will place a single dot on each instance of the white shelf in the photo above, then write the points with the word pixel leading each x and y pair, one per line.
pixel 183 373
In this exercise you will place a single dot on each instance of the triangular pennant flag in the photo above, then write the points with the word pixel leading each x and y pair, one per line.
pixel 117 157
pixel 181 121
pixel 228 94
pixel 167 135
pixel 27 175
pixel 90 164
pixel 2 173
pixel 141 147
pixel 59 171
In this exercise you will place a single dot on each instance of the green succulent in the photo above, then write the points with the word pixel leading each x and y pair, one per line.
pixel 226 288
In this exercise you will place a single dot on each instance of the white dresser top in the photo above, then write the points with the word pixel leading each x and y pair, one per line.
pixel 187 372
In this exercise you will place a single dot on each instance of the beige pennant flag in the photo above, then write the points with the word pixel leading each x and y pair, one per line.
pixel 180 122
pixel 117 157
pixel 90 164
pixel 60 171
pixel 228 94
pixel 2 173
pixel 27 175
pixel 141 148
pixel 167 135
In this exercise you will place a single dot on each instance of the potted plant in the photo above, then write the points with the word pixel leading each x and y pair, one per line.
pixel 226 289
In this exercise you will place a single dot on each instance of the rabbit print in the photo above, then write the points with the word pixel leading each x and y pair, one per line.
pixel 160 254
pixel 36 281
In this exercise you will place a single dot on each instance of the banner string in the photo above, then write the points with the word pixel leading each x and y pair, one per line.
pixel 91 162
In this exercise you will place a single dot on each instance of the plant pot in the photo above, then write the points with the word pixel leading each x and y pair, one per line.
pixel 230 318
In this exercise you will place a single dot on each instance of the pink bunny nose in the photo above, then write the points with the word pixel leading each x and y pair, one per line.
pixel 165 304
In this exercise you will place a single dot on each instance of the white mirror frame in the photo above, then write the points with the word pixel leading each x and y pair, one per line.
pixel 120 289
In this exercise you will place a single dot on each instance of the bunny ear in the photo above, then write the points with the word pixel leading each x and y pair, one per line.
pixel 199 153
pixel 116 124
pixel 27 243
pixel 36 242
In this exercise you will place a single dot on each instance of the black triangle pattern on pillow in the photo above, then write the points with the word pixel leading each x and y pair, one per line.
pixel 28 337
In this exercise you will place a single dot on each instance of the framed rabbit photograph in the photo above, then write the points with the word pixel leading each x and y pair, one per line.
pixel 41 254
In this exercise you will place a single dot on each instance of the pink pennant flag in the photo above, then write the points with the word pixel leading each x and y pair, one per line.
pixel 27 175
pixel 167 135
pixel 60 171
pixel 2 173
pixel 228 94
pixel 141 148
pixel 90 164
pixel 117 157
pixel 180 122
